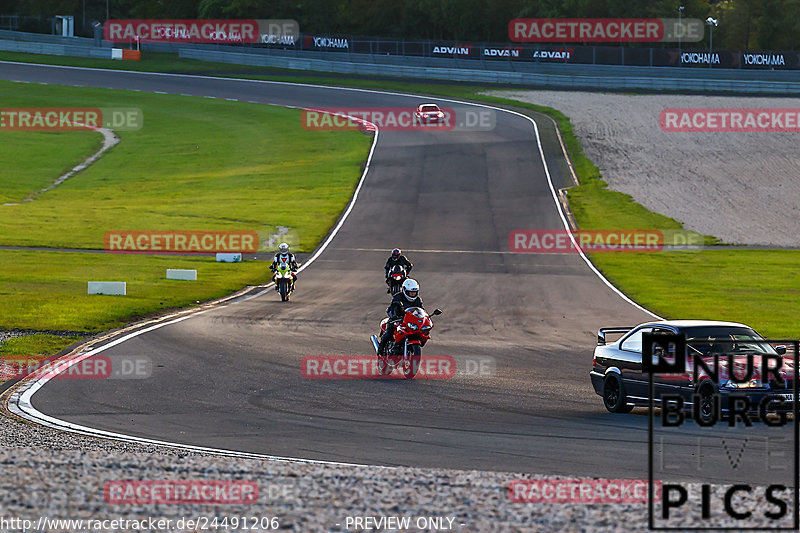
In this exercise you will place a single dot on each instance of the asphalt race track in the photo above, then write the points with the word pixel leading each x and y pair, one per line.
pixel 230 378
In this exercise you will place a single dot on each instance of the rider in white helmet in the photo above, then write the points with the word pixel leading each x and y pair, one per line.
pixel 407 297
pixel 283 257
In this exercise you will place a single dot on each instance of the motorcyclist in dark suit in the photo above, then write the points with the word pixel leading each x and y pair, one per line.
pixel 397 258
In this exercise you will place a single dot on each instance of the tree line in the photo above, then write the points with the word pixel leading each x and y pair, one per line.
pixel 743 24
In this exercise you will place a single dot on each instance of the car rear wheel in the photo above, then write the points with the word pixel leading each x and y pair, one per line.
pixel 614 395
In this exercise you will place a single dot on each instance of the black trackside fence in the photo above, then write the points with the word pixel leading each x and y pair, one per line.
pixel 31 24
pixel 688 56
pixel 691 55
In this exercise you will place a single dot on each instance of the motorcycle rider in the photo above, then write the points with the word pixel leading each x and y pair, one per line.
pixel 397 258
pixel 284 257
pixel 407 297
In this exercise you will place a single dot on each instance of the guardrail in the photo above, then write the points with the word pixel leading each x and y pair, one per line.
pixel 556 75
pixel 576 69
pixel 538 67
pixel 55 49
pixel 564 80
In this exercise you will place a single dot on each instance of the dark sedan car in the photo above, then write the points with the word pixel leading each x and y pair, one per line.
pixel 711 348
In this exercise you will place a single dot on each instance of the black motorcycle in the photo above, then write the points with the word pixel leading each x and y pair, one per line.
pixel 397 275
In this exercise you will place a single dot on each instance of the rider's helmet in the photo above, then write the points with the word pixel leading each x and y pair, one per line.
pixel 283 248
pixel 410 288
pixel 396 253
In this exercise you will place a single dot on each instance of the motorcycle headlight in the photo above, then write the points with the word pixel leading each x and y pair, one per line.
pixel 426 328
pixel 413 327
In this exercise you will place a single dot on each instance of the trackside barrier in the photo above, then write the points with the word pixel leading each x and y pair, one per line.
pixel 186 275
pixel 55 49
pixel 128 55
pixel 555 67
pixel 75 50
pixel 131 55
pixel 113 288
pixel 46 38
pixel 229 258
pixel 395 54
pixel 499 77
pixel 588 76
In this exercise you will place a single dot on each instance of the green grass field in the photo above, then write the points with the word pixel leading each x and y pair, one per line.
pixel 758 287
pixel 151 62
pixel 751 286
pixel 197 164
pixel 47 290
pixel 32 161
pixel 36 344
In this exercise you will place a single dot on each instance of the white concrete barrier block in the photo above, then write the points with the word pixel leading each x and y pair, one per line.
pixel 229 258
pixel 114 288
pixel 186 275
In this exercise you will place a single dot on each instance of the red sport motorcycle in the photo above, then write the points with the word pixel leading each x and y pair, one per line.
pixel 404 350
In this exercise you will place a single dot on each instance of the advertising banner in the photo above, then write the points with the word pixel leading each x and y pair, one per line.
pixel 326 42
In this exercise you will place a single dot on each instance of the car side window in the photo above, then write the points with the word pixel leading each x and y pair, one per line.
pixel 634 342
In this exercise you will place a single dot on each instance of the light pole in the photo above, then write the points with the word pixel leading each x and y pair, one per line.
pixel 711 24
